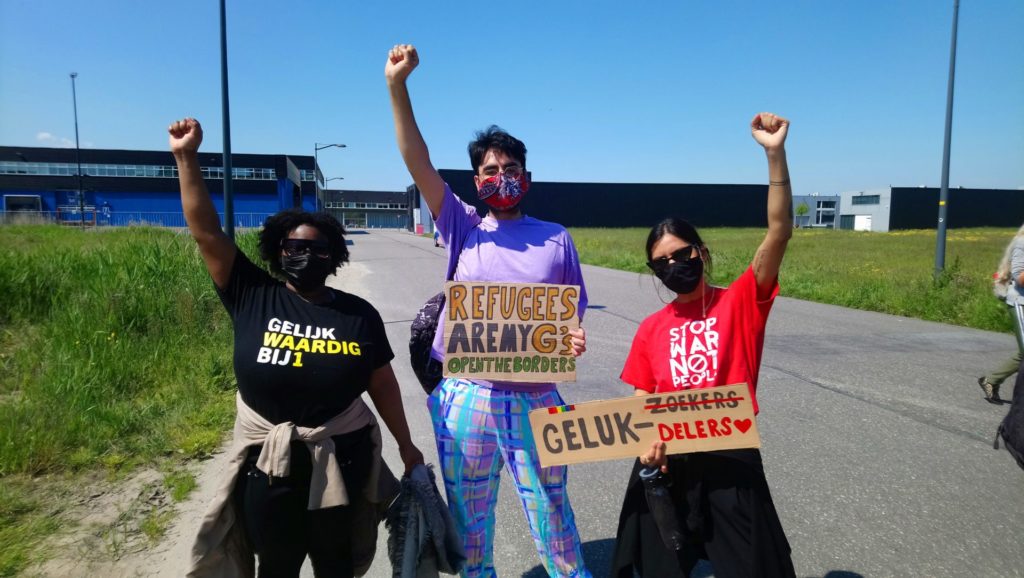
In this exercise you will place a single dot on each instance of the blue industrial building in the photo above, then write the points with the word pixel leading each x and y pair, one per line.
pixel 122 187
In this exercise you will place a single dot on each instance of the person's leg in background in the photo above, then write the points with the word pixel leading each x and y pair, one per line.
pixel 991 383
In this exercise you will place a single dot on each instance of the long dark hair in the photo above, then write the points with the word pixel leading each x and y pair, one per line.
pixel 277 227
pixel 679 228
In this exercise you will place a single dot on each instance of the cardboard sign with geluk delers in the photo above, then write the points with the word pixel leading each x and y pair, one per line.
pixel 696 420
pixel 510 331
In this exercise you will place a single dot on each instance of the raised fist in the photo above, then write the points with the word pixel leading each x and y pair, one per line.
pixel 401 60
pixel 186 135
pixel 769 130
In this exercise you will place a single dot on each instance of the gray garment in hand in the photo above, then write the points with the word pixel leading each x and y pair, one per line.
pixel 423 540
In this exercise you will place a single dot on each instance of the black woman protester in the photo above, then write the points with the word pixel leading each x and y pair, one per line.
pixel 709 336
pixel 306 476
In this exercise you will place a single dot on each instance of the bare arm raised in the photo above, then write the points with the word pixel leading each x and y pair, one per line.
pixel 217 249
pixel 770 132
pixel 402 59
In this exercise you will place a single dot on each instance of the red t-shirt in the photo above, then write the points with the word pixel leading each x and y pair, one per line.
pixel 679 347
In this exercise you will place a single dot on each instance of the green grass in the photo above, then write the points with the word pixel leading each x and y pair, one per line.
pixel 885 272
pixel 154 525
pixel 25 520
pixel 114 352
pixel 179 484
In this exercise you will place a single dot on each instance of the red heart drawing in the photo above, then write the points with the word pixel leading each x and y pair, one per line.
pixel 742 424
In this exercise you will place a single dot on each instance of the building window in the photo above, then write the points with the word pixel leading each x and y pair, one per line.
pixel 865 200
pixel 846 222
pixel 825 214
pixel 138 171
pixel 357 220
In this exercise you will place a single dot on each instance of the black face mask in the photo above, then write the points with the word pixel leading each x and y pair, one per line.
pixel 306 271
pixel 682 276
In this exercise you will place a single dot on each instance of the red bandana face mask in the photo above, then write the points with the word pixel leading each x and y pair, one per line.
pixel 502 192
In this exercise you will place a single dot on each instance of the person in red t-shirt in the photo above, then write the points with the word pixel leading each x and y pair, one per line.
pixel 717 503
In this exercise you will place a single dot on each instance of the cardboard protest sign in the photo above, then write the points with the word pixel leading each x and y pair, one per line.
pixel 510 331
pixel 696 420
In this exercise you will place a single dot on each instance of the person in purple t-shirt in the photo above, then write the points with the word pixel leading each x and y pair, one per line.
pixel 481 425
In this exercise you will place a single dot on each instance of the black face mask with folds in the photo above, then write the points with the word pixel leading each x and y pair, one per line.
pixel 306 271
pixel 682 276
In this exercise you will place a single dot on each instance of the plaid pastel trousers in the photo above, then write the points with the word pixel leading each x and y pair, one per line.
pixel 478 430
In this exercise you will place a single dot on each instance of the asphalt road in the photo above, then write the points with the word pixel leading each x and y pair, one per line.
pixel 877 443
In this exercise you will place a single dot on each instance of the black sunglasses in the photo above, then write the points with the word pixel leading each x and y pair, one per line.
pixel 684 254
pixel 302 246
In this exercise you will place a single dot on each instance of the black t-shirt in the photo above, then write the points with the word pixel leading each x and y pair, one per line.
pixel 296 361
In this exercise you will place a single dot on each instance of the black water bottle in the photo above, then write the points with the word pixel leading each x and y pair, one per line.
pixel 659 502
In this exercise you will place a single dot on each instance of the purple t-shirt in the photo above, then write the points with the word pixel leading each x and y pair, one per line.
pixel 524 250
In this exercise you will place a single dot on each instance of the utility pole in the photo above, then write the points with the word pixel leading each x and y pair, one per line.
pixel 78 152
pixel 940 236
pixel 229 205
pixel 317 147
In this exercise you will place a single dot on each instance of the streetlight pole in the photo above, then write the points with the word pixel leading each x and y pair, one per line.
pixel 78 152
pixel 940 237
pixel 332 179
pixel 229 206
pixel 317 147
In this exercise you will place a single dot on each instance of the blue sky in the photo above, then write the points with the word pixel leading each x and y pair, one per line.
pixel 599 91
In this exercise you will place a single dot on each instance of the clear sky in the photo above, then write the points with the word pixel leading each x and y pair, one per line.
pixel 646 91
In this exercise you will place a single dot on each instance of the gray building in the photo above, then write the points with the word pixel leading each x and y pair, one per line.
pixel 369 209
pixel 901 208
pixel 865 210
pixel 819 210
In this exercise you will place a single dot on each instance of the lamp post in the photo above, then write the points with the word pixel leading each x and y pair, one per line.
pixel 940 234
pixel 78 151
pixel 229 205
pixel 329 180
pixel 317 147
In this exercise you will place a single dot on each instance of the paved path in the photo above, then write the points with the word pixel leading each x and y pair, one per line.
pixel 877 444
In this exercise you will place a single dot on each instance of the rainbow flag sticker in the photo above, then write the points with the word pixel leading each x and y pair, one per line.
pixel 561 409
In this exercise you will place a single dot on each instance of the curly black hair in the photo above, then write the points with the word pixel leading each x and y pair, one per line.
pixel 276 228
pixel 494 137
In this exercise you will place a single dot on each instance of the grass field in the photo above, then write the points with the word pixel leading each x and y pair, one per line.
pixel 115 351
pixel 886 272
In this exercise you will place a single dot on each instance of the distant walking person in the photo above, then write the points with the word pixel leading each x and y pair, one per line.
pixel 305 477
pixel 105 212
pixel 719 505
pixel 1009 284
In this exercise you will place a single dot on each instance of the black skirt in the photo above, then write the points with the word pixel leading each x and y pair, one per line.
pixel 725 512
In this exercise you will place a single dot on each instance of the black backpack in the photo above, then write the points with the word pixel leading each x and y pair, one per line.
pixel 1011 430
pixel 421 340
pixel 428 370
